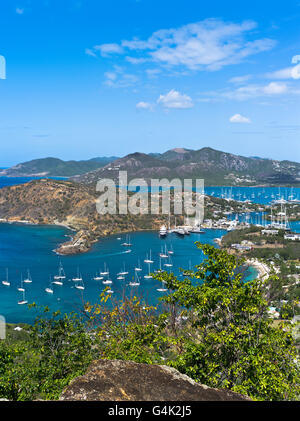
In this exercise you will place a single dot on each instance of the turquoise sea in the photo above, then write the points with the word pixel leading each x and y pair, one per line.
pixel 24 247
pixel 30 247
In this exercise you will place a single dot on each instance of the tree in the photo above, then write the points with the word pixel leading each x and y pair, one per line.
pixel 59 349
pixel 231 342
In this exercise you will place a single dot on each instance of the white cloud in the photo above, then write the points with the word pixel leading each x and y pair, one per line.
pixel 19 11
pixel 238 118
pixel 252 91
pixel 240 79
pixel 119 79
pixel 296 59
pixel 134 60
pixel 296 72
pixel 111 75
pixel 90 52
pixel 206 45
pixel 292 72
pixel 108 49
pixel 144 106
pixel 275 88
pixel 174 99
pixel 281 74
pixel 152 73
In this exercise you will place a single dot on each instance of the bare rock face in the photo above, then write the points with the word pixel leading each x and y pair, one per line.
pixel 114 380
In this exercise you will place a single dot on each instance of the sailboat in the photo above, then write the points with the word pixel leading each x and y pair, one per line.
pixel 23 301
pixel 164 253
pixel 80 285
pixel 148 260
pixel 171 251
pixel 169 264
pixel 123 272
pixel 78 278
pixel 107 281
pixel 105 272
pixel 127 242
pixel 98 278
pixel 136 282
pixel 186 272
pixel 21 288
pixel 61 273
pixel 138 267
pixel 162 288
pixel 148 276
pixel 28 280
pixel 6 282
pixel 49 290
pixel 160 269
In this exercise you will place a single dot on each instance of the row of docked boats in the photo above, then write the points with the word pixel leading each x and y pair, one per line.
pixel 181 230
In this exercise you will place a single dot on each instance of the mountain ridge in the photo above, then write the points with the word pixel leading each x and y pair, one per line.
pixel 215 167
pixel 52 167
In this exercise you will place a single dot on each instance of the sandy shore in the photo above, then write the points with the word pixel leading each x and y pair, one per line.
pixel 262 268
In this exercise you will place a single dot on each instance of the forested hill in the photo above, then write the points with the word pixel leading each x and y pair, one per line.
pixel 55 167
pixel 216 167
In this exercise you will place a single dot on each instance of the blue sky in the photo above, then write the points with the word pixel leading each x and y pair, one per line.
pixel 97 78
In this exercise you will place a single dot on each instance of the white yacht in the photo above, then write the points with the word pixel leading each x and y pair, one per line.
pixel 61 273
pixel 123 272
pixel 105 272
pixel 136 282
pixel 164 253
pixel 21 287
pixel 163 231
pixel 6 282
pixel 49 290
pixel 107 282
pixel 179 231
pixel 148 276
pixel 23 301
pixel 28 280
pixel 162 288
pixel 78 278
pixel 127 242
pixel 80 285
pixel 169 264
pixel 98 278
pixel 138 267
pixel 148 260
pixel 171 251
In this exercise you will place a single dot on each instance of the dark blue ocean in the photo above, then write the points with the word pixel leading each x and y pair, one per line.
pixel 27 247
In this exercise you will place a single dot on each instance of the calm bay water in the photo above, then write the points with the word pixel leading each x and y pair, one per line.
pixel 30 247
pixel 24 247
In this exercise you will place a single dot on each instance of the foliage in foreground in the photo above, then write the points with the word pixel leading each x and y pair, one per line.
pixel 58 349
pixel 211 326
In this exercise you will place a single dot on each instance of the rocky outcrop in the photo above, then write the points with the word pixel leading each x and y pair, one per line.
pixel 72 205
pixel 114 380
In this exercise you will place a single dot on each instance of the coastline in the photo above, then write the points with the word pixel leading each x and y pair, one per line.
pixel 262 268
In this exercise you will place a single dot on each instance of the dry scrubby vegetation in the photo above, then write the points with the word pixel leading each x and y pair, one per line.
pixel 211 326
